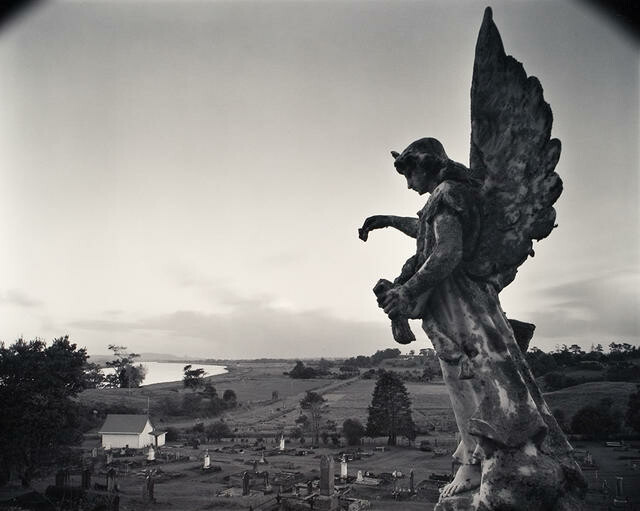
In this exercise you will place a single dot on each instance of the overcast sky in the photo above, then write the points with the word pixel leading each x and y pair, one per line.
pixel 189 177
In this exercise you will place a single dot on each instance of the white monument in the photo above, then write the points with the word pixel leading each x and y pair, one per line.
pixel 343 469
pixel 151 456
pixel 282 442
pixel 207 460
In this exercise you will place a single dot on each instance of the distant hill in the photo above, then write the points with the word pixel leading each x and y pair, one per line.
pixel 571 399
pixel 148 357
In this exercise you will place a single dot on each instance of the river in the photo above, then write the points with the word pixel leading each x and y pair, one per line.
pixel 162 372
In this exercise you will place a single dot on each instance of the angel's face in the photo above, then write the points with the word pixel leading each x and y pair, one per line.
pixel 418 180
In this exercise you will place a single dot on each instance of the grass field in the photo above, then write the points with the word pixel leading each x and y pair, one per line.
pixel 571 399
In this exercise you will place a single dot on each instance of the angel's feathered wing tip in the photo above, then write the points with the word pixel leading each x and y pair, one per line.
pixel 489 37
pixel 488 15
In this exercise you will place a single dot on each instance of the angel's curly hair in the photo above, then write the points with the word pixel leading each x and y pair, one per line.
pixel 427 153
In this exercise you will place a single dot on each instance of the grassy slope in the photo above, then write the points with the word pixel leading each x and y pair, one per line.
pixel 571 399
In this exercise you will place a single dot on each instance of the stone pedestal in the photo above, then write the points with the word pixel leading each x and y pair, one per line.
pixel 461 502
pixel 324 503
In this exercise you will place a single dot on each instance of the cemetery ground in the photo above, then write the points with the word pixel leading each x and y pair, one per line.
pixel 182 484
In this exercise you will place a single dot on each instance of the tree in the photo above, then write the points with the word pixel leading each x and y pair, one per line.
pixel 314 404
pixel 353 431
pixel 40 417
pixel 381 355
pixel 125 375
pixel 230 399
pixel 193 378
pixel 633 411
pixel 94 377
pixel 218 430
pixel 301 371
pixel 596 421
pixel 191 404
pixel 390 409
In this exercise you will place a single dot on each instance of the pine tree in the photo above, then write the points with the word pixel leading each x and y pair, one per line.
pixel 390 409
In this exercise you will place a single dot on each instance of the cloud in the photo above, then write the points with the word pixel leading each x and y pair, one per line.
pixel 19 299
pixel 253 328
pixel 598 308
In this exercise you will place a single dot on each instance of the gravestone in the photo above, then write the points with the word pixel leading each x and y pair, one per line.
pixel 207 460
pixel 327 501
pixel 148 487
pixel 359 477
pixel 267 486
pixel 112 480
pixel 245 483
pixel 151 455
pixel 86 479
pixel 326 475
pixel 282 445
pixel 109 459
pixel 411 482
pixel 94 452
pixel 309 487
pixel 343 469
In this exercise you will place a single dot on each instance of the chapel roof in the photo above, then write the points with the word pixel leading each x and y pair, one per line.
pixel 124 423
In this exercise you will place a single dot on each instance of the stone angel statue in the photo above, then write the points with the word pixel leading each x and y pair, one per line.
pixel 476 228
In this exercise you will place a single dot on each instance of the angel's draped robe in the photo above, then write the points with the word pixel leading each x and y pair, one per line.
pixel 500 405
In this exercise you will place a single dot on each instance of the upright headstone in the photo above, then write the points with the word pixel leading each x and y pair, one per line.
pixel 343 469
pixel 619 488
pixel 282 443
pixel 359 477
pixel 207 460
pixel 112 479
pixel 94 452
pixel 411 482
pixel 151 456
pixel 148 487
pixel 245 483
pixel 326 475
pixel 267 486
pixel 263 461
pixel 86 479
pixel 109 459
pixel 309 487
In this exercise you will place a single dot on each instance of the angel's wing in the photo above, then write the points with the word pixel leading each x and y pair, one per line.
pixel 514 157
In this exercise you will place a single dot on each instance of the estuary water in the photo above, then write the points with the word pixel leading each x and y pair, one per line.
pixel 162 372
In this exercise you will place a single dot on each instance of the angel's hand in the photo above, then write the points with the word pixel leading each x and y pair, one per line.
pixel 371 223
pixel 396 302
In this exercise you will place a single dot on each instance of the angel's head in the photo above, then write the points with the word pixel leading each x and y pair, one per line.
pixel 422 164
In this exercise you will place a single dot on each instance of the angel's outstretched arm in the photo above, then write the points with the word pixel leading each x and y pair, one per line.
pixel 405 224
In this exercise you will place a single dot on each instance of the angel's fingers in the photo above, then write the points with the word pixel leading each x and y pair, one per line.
pixel 388 299
pixel 391 308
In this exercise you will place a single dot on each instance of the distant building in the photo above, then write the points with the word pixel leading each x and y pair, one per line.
pixel 133 431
